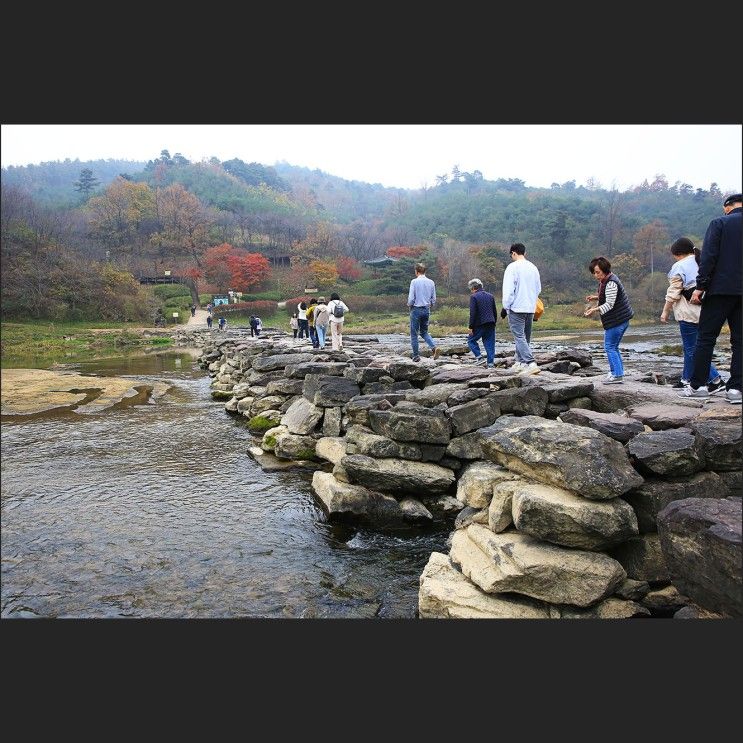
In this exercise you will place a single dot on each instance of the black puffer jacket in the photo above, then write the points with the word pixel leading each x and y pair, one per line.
pixel 720 263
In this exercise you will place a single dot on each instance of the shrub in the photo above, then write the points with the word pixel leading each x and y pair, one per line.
pixel 249 308
pixel 168 291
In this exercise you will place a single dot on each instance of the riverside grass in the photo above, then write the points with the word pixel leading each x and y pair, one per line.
pixel 41 342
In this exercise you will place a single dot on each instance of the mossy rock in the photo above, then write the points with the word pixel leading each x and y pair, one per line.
pixel 259 424
pixel 306 454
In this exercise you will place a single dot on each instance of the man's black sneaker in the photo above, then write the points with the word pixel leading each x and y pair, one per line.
pixel 717 386
pixel 416 358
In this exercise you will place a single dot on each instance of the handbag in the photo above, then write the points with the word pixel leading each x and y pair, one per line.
pixel 539 309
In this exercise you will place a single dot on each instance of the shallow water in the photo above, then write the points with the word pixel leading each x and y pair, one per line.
pixel 156 511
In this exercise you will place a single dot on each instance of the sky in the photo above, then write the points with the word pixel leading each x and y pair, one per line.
pixel 413 155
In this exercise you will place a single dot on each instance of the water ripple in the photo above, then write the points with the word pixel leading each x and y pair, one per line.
pixel 157 511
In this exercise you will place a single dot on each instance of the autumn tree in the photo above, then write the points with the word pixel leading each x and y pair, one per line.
pixel 611 218
pixel 348 268
pixel 320 243
pixel 183 232
pixel 122 217
pixel 628 268
pixel 647 241
pixel 226 267
pixel 493 259
pixel 406 251
pixel 456 263
pixel 248 270
pixel 324 273
pixel 214 266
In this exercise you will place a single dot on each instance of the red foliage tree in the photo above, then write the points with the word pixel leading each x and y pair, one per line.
pixel 248 269
pixel 405 251
pixel 348 268
pixel 228 267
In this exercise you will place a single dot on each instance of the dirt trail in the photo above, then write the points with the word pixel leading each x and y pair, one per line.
pixel 199 318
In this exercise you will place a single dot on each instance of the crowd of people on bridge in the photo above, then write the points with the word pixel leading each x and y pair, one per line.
pixel 704 292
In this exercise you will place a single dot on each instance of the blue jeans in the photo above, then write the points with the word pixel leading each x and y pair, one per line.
pixel 419 325
pixel 520 325
pixel 321 330
pixel 689 341
pixel 487 333
pixel 612 338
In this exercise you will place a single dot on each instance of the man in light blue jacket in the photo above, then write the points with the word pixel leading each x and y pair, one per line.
pixel 521 287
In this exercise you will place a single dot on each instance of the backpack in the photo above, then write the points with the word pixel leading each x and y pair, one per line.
pixel 338 309
pixel 539 309
pixel 322 317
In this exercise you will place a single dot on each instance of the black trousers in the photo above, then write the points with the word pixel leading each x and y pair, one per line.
pixel 716 310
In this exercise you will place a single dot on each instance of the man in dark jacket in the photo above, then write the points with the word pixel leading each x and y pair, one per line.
pixel 482 322
pixel 719 290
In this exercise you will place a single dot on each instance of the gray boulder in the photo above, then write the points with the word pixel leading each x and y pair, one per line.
pixel 701 542
pixel 556 453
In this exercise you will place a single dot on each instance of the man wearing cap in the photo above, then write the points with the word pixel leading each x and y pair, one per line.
pixel 719 291
pixel 482 322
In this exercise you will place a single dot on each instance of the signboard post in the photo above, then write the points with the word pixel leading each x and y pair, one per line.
pixel 175 317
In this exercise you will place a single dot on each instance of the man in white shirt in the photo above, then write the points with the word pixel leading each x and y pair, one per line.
pixel 521 287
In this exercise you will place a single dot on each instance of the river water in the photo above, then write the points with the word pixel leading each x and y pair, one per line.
pixel 156 510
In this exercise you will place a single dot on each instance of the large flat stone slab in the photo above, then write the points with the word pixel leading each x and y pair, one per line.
pixel 33 391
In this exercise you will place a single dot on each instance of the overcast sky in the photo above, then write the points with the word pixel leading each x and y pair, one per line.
pixel 412 155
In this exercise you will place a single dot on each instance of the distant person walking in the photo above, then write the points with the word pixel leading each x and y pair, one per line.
pixel 304 329
pixel 209 308
pixel 719 290
pixel 682 280
pixel 322 318
pixel 421 298
pixel 193 310
pixel 311 321
pixel 336 316
pixel 258 325
pixel 482 322
pixel 209 321
pixel 294 324
pixel 615 311
pixel 222 323
pixel 253 326
pixel 521 287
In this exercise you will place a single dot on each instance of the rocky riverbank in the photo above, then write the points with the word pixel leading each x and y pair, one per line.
pixel 568 499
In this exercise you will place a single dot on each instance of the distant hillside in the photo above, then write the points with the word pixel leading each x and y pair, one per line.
pixel 52 183
pixel 343 200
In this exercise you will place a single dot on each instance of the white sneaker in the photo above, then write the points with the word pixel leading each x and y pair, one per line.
pixel 530 368
pixel 734 397
pixel 517 367
pixel 611 379
pixel 701 393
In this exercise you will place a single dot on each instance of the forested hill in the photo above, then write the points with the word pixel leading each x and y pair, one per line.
pixel 251 226
pixel 53 183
